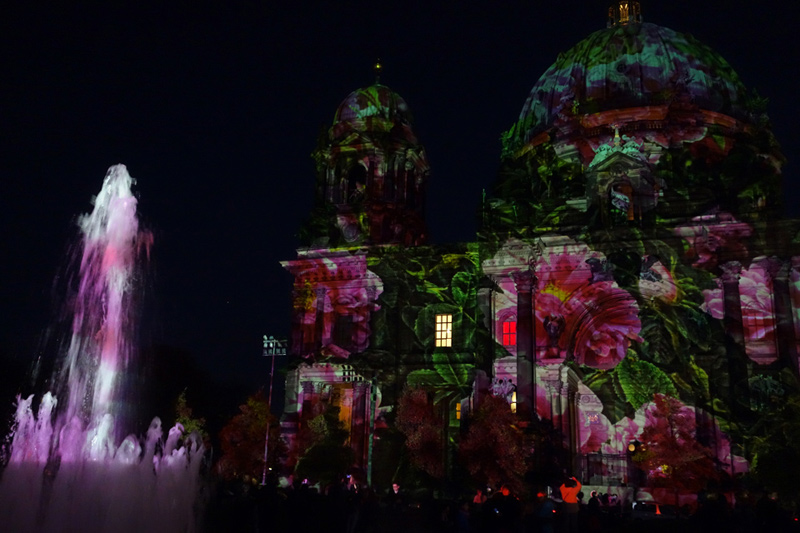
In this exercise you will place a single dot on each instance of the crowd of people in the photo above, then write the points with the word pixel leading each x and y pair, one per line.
pixel 348 507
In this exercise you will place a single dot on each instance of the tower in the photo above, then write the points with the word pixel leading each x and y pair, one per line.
pixel 371 174
pixel 370 199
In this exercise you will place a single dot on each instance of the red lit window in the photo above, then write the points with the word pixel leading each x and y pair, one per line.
pixel 510 333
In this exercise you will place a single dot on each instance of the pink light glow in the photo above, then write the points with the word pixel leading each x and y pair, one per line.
pixel 100 348
pixel 65 467
pixel 589 312
pixel 755 295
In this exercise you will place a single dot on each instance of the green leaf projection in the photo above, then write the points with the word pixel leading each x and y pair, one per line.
pixel 640 380
pixel 427 284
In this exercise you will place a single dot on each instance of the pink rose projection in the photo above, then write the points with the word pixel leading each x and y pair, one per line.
pixel 758 320
pixel 628 429
pixel 624 431
pixel 545 408
pixel 714 239
pixel 721 444
pixel 594 430
pixel 345 296
pixel 580 308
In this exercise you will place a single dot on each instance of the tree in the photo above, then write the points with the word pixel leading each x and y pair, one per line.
pixel 322 453
pixel 418 420
pixel 775 446
pixel 183 416
pixel 670 453
pixel 242 440
pixel 495 450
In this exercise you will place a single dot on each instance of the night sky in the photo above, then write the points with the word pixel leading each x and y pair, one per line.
pixel 215 108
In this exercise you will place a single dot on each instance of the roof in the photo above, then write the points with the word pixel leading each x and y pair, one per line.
pixel 375 101
pixel 632 65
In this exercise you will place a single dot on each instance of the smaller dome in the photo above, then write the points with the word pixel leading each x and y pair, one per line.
pixel 375 101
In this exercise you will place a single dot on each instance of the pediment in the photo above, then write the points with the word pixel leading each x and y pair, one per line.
pixel 616 162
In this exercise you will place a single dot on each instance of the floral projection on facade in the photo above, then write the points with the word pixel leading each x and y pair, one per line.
pixel 631 261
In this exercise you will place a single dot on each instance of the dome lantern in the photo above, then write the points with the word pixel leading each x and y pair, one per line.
pixel 623 13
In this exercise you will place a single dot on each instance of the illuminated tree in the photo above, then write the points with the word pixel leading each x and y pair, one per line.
pixel 670 453
pixel 242 440
pixel 183 416
pixel 495 450
pixel 322 453
pixel 418 420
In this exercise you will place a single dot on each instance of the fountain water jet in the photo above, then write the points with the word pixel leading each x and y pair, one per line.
pixel 65 471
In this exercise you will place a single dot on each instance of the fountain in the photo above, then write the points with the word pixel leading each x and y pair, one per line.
pixel 65 470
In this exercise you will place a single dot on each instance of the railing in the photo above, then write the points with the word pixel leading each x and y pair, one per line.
pixel 606 469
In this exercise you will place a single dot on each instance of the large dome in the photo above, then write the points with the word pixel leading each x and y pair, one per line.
pixel 637 124
pixel 628 66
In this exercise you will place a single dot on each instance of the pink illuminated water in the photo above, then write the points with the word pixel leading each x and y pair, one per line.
pixel 66 471
pixel 100 349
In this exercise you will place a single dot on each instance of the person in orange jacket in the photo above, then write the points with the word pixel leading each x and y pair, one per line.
pixel 569 495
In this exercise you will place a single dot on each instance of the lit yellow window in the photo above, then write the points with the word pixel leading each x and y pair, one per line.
pixel 444 330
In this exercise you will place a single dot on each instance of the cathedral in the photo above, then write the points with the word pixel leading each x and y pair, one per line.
pixel 631 255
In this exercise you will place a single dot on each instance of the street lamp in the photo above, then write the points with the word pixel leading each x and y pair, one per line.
pixel 272 348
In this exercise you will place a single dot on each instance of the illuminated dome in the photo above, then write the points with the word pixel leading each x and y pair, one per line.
pixel 373 102
pixel 603 133
pixel 631 66
pixel 372 173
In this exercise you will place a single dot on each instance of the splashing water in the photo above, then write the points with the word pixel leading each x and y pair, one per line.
pixel 65 471
pixel 100 349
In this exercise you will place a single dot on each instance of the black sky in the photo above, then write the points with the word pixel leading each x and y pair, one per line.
pixel 215 108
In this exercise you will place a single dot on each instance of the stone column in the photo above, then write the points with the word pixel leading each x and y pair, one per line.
pixel 359 428
pixel 734 338
pixel 525 282
pixel 782 311
pixel 319 321
pixel 486 307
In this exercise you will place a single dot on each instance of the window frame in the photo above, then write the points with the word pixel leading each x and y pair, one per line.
pixel 443 330
pixel 509 338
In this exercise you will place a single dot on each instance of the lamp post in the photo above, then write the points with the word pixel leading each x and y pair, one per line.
pixel 272 348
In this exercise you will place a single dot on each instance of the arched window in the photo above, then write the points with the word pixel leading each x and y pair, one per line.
pixel 356 181
pixel 621 202
pixel 343 331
